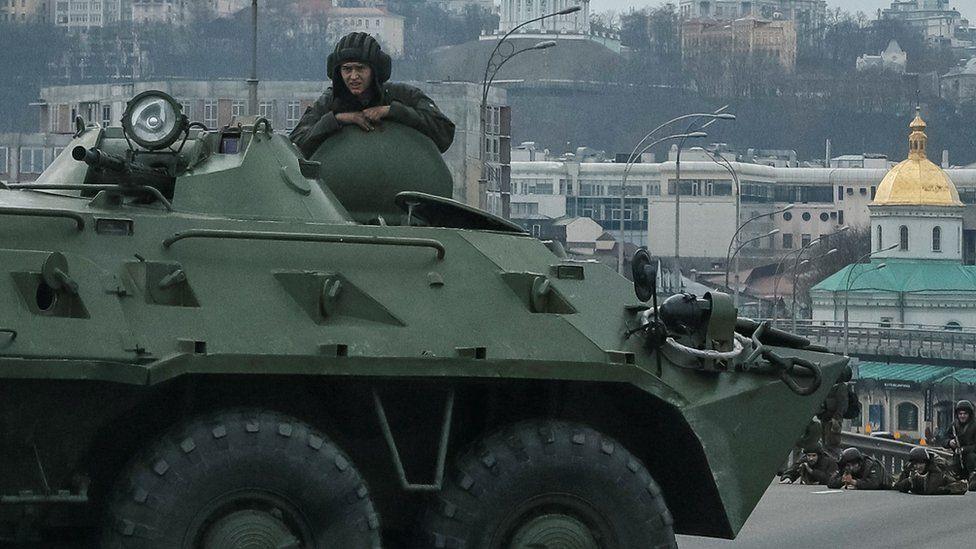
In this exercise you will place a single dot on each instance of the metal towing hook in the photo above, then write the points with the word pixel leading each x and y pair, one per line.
pixel 789 368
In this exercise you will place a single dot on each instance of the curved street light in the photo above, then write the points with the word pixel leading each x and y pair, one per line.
pixel 492 68
pixel 716 116
pixel 847 295
pixel 850 283
pixel 728 253
pixel 796 264
pixel 623 187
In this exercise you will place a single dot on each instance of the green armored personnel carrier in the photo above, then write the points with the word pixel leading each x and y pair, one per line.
pixel 207 341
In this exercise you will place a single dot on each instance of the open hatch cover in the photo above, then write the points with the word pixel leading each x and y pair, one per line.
pixel 437 211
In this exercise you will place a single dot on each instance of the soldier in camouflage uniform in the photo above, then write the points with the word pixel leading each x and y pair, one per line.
pixel 360 95
pixel 814 467
pixel 926 474
pixel 859 472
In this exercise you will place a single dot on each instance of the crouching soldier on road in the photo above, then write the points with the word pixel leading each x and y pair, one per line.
pixel 925 474
pixel 815 467
pixel 859 472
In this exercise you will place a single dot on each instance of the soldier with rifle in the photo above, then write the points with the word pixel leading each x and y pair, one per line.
pixel 859 472
pixel 963 443
pixel 814 467
pixel 927 474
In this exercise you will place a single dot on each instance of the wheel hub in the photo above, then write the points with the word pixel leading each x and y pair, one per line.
pixel 250 529
pixel 553 531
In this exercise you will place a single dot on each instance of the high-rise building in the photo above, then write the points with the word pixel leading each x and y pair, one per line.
pixel 89 13
pixel 24 11
pixel 934 18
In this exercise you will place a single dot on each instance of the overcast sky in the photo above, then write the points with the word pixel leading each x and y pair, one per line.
pixel 870 7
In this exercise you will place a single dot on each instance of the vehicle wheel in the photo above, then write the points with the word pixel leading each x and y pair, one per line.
pixel 549 484
pixel 243 479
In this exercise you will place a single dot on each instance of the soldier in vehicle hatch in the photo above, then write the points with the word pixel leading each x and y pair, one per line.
pixel 927 475
pixel 859 472
pixel 962 441
pixel 360 95
pixel 814 467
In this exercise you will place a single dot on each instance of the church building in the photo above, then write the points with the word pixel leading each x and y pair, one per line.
pixel 914 276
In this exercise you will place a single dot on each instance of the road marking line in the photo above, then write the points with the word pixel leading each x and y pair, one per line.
pixel 828 492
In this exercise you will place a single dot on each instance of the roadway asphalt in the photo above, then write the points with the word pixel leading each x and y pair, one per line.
pixel 802 517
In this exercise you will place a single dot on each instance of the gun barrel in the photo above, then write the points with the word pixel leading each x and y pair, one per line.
pixel 98 159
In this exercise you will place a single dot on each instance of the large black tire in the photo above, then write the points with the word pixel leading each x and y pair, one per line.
pixel 242 479
pixel 549 484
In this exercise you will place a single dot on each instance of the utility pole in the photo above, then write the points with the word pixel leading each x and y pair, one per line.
pixel 252 82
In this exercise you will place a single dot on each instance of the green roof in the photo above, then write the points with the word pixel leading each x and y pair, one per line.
pixel 903 275
pixel 962 375
pixel 912 373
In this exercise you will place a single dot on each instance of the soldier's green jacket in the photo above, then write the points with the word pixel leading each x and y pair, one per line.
pixel 871 476
pixel 408 106
pixel 935 482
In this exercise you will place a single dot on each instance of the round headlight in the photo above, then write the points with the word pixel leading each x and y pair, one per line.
pixel 153 119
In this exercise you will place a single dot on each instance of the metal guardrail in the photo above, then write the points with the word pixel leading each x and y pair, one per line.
pixel 926 342
pixel 891 453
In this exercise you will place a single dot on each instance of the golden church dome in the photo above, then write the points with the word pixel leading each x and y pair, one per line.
pixel 916 181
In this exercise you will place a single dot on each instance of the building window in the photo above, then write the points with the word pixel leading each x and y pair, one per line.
pixel 953 326
pixel 31 160
pixel 907 417
pixel 4 166
pixel 237 109
pixel 806 216
pixel 266 110
pixel 840 217
pixel 106 116
pixel 886 321
pixel 903 236
pixel 787 216
pixel 937 239
pixel 840 193
pixel 210 114
pixel 804 240
pixel 294 114
pixel 879 238
pixel 824 216
pixel 787 241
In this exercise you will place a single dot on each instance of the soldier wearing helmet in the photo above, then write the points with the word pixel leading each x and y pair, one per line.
pixel 925 474
pixel 362 96
pixel 815 466
pixel 859 472
pixel 962 441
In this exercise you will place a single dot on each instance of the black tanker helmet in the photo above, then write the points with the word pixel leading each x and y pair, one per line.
pixel 918 454
pixel 850 455
pixel 361 47
pixel 814 448
pixel 965 405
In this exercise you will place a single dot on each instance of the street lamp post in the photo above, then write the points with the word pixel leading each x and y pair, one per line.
pixel 495 62
pixel 847 295
pixel 623 186
pixel 252 82
pixel 635 154
pixel 796 276
pixel 850 283
pixel 733 240
pixel 735 179
pixel 796 264
pixel 718 115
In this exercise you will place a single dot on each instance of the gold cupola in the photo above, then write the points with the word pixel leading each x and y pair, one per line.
pixel 916 181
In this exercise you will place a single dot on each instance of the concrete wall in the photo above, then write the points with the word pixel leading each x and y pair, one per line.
pixel 707 224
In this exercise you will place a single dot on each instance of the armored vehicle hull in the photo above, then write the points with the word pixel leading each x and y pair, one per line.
pixel 235 355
